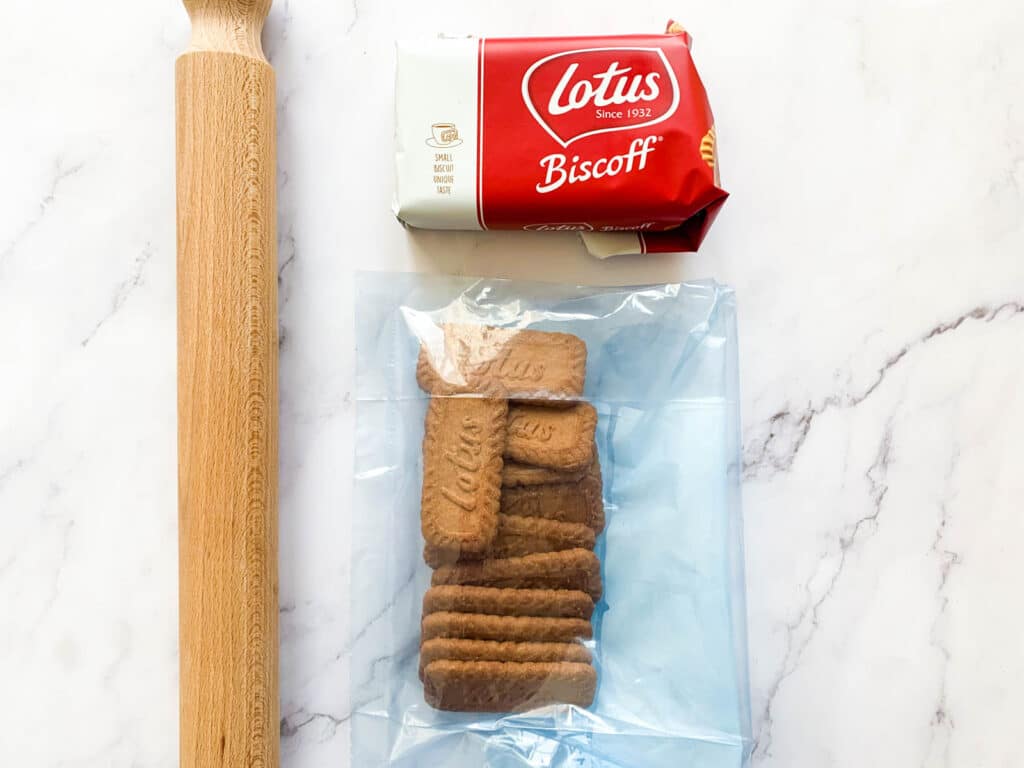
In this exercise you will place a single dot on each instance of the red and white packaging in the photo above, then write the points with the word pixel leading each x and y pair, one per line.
pixel 612 137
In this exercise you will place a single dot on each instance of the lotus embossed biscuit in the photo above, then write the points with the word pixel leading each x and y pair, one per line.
pixel 608 136
pixel 559 439
pixel 462 447
pixel 542 367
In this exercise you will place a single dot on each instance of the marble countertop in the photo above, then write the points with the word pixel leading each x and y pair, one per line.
pixel 875 237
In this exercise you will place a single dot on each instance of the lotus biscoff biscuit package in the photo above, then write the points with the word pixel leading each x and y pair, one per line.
pixel 609 136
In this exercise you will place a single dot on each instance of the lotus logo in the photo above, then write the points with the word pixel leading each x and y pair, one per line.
pixel 566 226
pixel 598 90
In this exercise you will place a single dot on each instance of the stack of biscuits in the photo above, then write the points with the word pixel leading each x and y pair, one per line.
pixel 510 511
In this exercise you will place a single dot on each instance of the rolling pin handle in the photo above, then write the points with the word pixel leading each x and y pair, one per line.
pixel 228 26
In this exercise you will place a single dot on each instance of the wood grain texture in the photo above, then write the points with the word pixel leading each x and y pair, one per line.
pixel 227 391
pixel 228 26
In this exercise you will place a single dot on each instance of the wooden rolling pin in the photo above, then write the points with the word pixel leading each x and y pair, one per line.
pixel 227 390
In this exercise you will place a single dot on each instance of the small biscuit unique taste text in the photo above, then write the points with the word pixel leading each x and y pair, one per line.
pixel 555 603
pixel 457 649
pixel 481 626
pixel 577 569
pixel 491 686
pixel 462 460
pixel 503 362
pixel 561 439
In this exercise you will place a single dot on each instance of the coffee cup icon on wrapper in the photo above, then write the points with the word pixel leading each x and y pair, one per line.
pixel 443 136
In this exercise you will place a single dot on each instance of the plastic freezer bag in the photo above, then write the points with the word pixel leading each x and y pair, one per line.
pixel 659 676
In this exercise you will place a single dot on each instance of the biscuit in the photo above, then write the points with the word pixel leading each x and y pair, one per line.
pixel 518 536
pixel 578 502
pixel 454 649
pixel 569 569
pixel 558 603
pixel 492 686
pixel 593 473
pixel 507 361
pixel 480 626
pixel 462 459
pixel 558 438
pixel 514 474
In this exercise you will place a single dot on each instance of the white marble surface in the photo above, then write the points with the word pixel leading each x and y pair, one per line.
pixel 875 152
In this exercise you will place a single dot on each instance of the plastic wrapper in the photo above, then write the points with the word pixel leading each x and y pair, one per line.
pixel 640 664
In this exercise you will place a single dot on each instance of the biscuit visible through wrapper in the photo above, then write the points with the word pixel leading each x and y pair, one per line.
pixel 578 502
pixel 507 362
pixel 557 603
pixel 518 536
pixel 482 626
pixel 514 474
pixel 462 460
pixel 559 438
pixel 455 649
pixel 492 686
pixel 577 569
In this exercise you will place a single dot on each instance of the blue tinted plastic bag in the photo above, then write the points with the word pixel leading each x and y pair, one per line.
pixel 669 639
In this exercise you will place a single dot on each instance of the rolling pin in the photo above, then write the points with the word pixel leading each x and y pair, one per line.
pixel 227 389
